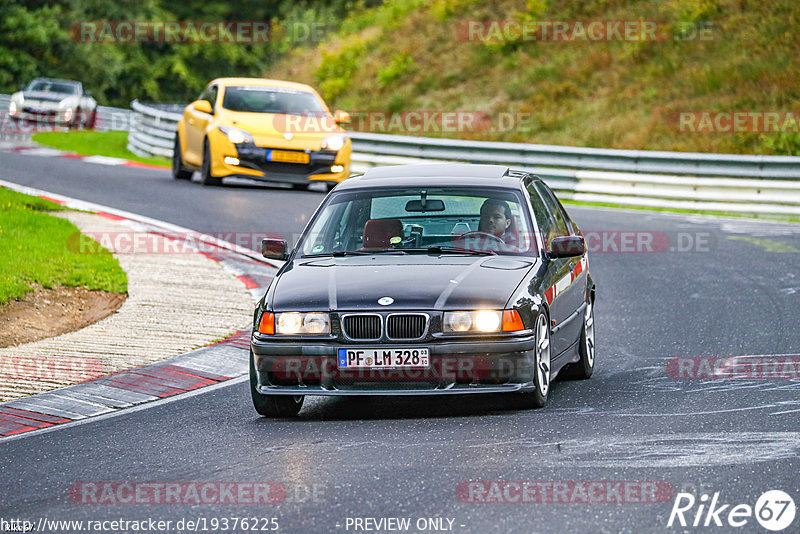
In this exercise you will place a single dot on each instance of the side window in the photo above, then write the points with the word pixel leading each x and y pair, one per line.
pixel 560 228
pixel 209 94
pixel 543 218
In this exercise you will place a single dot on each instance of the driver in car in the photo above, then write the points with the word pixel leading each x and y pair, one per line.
pixel 495 217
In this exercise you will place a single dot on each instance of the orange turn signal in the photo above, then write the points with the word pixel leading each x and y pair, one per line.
pixel 267 323
pixel 512 322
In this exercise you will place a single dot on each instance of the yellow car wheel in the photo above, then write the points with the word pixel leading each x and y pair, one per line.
pixel 205 170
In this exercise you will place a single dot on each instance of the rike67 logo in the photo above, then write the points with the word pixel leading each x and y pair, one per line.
pixel 774 510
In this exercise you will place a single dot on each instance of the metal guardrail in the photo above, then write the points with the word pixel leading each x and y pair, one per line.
pixel 153 129
pixel 714 182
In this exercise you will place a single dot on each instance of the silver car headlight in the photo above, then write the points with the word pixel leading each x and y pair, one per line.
pixel 334 142
pixel 236 135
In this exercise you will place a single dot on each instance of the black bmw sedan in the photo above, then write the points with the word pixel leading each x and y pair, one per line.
pixel 426 280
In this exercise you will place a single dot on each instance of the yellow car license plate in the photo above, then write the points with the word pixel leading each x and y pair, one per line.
pixel 287 156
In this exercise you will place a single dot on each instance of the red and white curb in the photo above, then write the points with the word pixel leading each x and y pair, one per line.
pixel 34 150
pixel 200 368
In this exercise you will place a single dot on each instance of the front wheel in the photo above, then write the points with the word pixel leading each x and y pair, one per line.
pixel 205 170
pixel 272 405
pixel 541 368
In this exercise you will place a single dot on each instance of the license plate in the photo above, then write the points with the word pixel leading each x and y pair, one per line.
pixel 287 156
pixel 383 358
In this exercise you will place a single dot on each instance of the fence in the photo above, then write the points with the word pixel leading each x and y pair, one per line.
pixel 713 182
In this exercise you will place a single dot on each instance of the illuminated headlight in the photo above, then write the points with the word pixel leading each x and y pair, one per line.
pixel 473 321
pixel 12 108
pixel 68 114
pixel 303 323
pixel 231 160
pixel 334 142
pixel 337 168
pixel 236 135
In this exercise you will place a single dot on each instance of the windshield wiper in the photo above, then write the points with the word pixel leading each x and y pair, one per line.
pixel 438 249
pixel 343 253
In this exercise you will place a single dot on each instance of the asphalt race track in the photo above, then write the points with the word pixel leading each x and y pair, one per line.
pixel 710 288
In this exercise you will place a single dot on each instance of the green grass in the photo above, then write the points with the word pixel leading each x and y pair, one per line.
pixel 91 143
pixel 715 55
pixel 36 249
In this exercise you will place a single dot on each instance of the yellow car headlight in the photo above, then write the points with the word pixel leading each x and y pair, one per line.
pixel 334 142
pixel 236 135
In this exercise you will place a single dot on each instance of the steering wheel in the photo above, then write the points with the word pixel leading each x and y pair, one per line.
pixel 479 235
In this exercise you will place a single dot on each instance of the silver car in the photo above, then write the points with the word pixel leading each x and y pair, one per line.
pixel 62 102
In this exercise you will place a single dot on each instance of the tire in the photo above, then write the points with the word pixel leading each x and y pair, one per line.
pixel 537 397
pixel 583 368
pixel 205 170
pixel 179 172
pixel 273 405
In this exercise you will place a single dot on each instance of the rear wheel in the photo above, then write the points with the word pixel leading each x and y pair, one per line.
pixel 583 368
pixel 272 405
pixel 179 172
pixel 541 368
pixel 205 170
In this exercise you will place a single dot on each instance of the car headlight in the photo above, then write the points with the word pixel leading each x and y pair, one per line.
pixel 334 142
pixel 482 321
pixel 295 323
pixel 12 108
pixel 236 135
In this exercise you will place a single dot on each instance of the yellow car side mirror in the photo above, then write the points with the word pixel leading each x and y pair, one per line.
pixel 340 116
pixel 202 106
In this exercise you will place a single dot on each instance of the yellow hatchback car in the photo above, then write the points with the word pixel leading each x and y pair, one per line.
pixel 261 129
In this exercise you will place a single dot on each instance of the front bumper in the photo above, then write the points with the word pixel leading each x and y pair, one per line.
pixel 254 162
pixel 456 367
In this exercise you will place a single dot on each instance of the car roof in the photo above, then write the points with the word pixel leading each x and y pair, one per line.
pixel 263 82
pixel 435 174
pixel 59 80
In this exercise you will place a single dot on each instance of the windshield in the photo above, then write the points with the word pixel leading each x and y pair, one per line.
pixel 433 219
pixel 54 87
pixel 271 100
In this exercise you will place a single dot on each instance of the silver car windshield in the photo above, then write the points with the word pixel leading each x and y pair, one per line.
pixel 54 87
pixel 431 219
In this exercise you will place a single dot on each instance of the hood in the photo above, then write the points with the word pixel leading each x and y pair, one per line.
pixel 415 282
pixel 45 96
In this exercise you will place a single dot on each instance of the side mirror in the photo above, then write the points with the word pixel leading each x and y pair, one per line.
pixel 566 247
pixel 202 106
pixel 274 249
pixel 340 116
